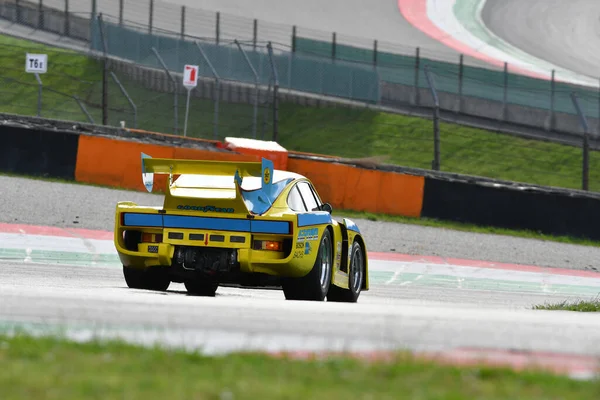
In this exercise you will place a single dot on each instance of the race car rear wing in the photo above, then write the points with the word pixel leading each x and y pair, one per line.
pixel 236 169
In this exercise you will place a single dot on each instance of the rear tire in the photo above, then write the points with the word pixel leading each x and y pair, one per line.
pixel 356 272
pixel 153 278
pixel 201 287
pixel 315 285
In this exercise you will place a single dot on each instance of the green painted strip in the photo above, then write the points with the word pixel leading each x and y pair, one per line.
pixel 497 285
pixel 60 257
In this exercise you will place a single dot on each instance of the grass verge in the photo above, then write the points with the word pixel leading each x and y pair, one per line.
pixel 577 305
pixel 49 368
pixel 340 131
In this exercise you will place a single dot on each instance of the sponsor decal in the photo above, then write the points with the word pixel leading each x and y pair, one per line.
pixel 308 234
pixel 338 255
pixel 205 208
pixel 307 248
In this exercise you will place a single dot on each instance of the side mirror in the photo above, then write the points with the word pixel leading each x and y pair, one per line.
pixel 327 207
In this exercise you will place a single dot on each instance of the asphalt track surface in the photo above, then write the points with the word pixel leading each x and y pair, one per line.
pixel 92 301
pixel 566 33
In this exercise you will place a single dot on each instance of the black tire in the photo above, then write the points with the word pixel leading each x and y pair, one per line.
pixel 202 287
pixel 356 276
pixel 154 278
pixel 315 285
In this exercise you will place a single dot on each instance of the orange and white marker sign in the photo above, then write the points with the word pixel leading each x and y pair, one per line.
pixel 190 76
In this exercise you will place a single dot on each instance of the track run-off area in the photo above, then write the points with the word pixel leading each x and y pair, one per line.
pixel 67 280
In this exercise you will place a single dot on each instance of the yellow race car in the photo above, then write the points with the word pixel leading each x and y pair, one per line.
pixel 239 224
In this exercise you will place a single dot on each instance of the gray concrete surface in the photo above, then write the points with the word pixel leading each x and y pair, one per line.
pixel 72 205
pixel 566 33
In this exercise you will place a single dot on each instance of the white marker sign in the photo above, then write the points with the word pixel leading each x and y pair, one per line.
pixel 190 76
pixel 36 63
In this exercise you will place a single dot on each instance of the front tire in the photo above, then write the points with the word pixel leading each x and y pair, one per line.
pixel 356 272
pixel 315 285
pixel 153 278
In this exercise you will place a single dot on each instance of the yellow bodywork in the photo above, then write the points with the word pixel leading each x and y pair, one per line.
pixel 218 216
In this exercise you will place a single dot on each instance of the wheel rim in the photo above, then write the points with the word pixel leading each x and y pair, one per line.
pixel 325 262
pixel 357 270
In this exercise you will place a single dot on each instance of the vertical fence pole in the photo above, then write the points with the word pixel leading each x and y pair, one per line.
pixel 131 103
pixel 275 93
pixel 436 120
pixel 39 103
pixel 151 16
pixel 461 72
pixel 375 52
pixel 256 82
pixel 417 67
pixel 333 46
pixel 182 22
pixel 254 34
pixel 294 39
pixel 175 84
pixel 40 15
pixel 217 90
pixel 586 141
pixel 18 12
pixel 218 28
pixel 505 95
pixel 67 19
pixel 104 71
pixel 552 101
pixel 121 7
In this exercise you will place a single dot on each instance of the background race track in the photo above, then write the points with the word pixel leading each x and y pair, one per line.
pixel 566 33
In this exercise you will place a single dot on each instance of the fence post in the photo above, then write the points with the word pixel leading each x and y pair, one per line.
pixel 552 100
pixel 217 90
pixel 375 52
pixel 40 15
pixel 256 81
pixel 182 22
pixel 586 142
pixel 461 72
pixel 151 16
pixel 436 120
pixel 133 106
pixel 39 102
pixel 275 93
pixel 67 19
pixel 417 67
pixel 294 39
pixel 505 94
pixel 218 28
pixel 175 101
pixel 104 71
pixel 333 46
pixel 121 6
pixel 254 34
pixel 17 12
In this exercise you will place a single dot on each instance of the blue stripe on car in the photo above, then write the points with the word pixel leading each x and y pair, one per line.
pixel 270 227
pixel 217 224
pixel 147 220
pixel 315 218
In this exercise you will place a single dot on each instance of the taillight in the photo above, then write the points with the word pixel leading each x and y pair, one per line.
pixel 151 237
pixel 267 245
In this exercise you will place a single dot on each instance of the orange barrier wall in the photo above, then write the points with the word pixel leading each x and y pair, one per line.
pixel 117 163
pixel 358 189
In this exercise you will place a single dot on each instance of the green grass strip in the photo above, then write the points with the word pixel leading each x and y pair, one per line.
pixel 49 368
pixel 572 305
